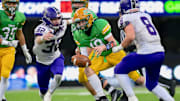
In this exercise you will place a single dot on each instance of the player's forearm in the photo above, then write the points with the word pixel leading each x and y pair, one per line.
pixel 20 37
pixel 39 39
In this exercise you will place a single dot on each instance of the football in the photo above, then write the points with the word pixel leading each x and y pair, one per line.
pixel 80 60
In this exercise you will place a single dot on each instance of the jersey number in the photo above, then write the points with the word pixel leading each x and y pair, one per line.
pixel 9 33
pixel 52 46
pixel 148 25
pixel 96 42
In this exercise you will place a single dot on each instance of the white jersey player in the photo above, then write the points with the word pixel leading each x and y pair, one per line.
pixel 138 27
pixel 49 59
pixel 48 51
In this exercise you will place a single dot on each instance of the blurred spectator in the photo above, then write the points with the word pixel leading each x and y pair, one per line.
pixel 19 73
pixel 31 77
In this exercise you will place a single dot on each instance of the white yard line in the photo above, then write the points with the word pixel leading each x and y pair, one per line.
pixel 87 93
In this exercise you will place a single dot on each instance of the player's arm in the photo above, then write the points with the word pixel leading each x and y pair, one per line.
pixel 106 32
pixel 129 36
pixel 20 37
pixel 70 21
pixel 42 38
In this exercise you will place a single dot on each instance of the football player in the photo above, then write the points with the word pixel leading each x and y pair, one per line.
pixel 49 59
pixel 115 94
pixel 11 23
pixel 139 29
pixel 94 39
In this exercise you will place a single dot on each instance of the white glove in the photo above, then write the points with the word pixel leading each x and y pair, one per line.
pixel 13 43
pixel 26 54
pixel 117 48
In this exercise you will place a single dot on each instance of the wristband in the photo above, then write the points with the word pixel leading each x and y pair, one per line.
pixel 24 48
pixel 110 45
pixel 4 42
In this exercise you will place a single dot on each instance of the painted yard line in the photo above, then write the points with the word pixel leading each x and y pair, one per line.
pixel 87 93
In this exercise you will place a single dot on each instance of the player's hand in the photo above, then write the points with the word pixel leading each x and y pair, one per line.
pixel 117 48
pixel 26 54
pixel 13 43
pixel 48 36
pixel 99 49
pixel 28 57
pixel 77 51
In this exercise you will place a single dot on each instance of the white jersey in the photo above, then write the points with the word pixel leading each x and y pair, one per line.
pixel 48 51
pixel 147 39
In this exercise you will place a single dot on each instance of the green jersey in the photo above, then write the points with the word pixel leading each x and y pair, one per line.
pixel 8 27
pixel 100 30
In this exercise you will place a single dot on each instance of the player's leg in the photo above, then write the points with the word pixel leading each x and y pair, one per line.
pixel 169 84
pixel 97 62
pixel 114 93
pixel 43 78
pixel 7 63
pixel 96 84
pixel 135 76
pixel 57 68
pixel 152 76
pixel 129 63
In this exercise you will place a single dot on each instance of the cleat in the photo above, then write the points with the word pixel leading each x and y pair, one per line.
pixel 115 95
pixel 4 100
pixel 47 96
pixel 124 97
pixel 172 87
pixel 102 98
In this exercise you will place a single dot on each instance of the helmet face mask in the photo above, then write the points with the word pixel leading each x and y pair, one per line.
pixel 10 6
pixel 127 5
pixel 76 4
pixel 84 18
pixel 52 17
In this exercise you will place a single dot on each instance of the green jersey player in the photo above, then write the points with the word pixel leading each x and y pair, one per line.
pixel 95 40
pixel 11 22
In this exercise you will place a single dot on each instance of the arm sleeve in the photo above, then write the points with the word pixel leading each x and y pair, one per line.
pixel 123 22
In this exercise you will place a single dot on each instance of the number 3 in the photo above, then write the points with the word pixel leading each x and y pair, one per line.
pixel 148 25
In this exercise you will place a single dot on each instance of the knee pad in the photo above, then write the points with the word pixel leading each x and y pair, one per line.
pixel 57 78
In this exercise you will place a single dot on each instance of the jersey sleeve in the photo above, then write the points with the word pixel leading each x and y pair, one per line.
pixel 23 20
pixel 75 37
pixel 39 30
pixel 104 27
pixel 123 22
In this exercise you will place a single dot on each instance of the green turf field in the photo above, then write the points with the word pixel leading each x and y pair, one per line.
pixel 76 94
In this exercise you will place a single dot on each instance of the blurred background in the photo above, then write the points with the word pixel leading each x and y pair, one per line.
pixel 165 15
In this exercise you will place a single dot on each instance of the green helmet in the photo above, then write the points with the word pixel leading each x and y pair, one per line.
pixel 85 2
pixel 9 9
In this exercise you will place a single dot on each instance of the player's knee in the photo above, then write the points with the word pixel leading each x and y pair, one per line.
pixel 43 90
pixel 88 71
pixel 5 75
pixel 151 86
pixel 82 80
pixel 58 77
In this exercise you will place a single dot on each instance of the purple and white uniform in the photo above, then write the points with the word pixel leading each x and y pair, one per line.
pixel 49 59
pixel 150 52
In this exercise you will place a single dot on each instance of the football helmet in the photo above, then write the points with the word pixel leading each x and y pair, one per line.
pixel 10 9
pixel 127 5
pixel 74 7
pixel 84 14
pixel 49 14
